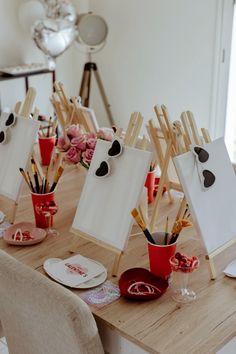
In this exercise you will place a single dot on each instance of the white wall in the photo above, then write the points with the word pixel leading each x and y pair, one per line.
pixel 158 51
pixel 17 46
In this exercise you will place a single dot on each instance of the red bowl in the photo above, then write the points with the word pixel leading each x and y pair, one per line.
pixel 140 284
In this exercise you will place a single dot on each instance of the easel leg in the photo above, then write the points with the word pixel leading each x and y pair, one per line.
pixel 13 214
pixel 85 86
pixel 116 264
pixel 211 266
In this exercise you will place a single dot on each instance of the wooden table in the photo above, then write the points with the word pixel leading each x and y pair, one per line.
pixel 160 326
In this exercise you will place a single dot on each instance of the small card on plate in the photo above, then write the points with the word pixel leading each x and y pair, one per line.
pixel 75 270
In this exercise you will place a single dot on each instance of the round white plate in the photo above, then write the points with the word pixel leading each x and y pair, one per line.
pixel 230 270
pixel 86 285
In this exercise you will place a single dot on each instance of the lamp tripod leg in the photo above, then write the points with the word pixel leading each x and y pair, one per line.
pixel 104 97
pixel 85 86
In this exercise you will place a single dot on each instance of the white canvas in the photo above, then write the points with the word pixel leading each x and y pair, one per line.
pixel 105 203
pixel 213 210
pixel 14 153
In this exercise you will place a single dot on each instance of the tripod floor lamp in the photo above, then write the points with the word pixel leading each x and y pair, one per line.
pixel 92 33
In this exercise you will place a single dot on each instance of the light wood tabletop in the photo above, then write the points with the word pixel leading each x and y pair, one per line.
pixel 158 326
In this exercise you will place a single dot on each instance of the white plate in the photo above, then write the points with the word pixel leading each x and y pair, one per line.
pixel 86 285
pixel 230 270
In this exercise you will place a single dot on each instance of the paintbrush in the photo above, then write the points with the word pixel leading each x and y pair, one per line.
pixel 142 225
pixel 31 184
pixel 25 178
pixel 166 231
pixel 56 178
pixel 179 225
pixel 34 171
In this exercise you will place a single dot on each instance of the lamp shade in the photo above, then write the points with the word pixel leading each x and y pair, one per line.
pixel 92 32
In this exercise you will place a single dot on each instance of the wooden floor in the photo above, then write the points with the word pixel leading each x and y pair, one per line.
pixel 160 326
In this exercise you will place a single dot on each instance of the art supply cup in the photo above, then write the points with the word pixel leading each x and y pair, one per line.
pixel 46 146
pixel 159 256
pixel 40 220
pixel 150 185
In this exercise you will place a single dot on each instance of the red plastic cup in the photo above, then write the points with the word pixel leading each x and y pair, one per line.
pixel 159 257
pixel 46 146
pixel 41 220
pixel 150 185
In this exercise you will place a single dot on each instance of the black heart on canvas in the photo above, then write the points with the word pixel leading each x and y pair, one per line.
pixel 115 149
pixel 2 137
pixel 103 169
pixel 10 120
pixel 203 155
pixel 209 178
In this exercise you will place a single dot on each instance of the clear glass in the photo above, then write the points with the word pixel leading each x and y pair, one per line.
pixel 50 231
pixel 180 287
pixel 48 211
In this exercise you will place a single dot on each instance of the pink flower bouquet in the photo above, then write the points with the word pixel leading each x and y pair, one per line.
pixel 79 146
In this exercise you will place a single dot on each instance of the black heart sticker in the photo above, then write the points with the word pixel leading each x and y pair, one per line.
pixel 209 178
pixel 10 120
pixel 115 149
pixel 2 136
pixel 103 169
pixel 203 155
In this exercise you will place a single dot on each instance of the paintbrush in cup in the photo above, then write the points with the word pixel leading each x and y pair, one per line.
pixel 56 178
pixel 136 215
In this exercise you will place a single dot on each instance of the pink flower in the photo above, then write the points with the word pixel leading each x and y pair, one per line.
pixel 73 131
pixel 62 144
pixel 72 156
pixel 105 134
pixel 87 155
pixel 91 136
pixel 91 143
pixel 79 142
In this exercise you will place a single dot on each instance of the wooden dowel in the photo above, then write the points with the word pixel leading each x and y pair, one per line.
pixel 194 128
pixel 28 102
pixel 161 186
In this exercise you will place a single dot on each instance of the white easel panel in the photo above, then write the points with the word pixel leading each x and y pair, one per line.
pixel 15 153
pixel 213 209
pixel 106 202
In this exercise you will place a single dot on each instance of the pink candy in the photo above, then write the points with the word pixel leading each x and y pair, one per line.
pixel 184 263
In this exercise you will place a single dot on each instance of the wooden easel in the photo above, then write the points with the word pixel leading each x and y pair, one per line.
pixel 131 138
pixel 178 137
pixel 69 111
pixel 23 109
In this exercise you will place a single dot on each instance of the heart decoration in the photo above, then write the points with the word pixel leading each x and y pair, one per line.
pixel 53 36
pixel 60 9
pixel 209 178
pixel 103 170
pixel 115 149
pixel 203 155
pixel 9 120
pixel 140 284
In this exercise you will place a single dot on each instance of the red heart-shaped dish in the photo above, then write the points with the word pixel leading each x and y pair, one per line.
pixel 140 284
